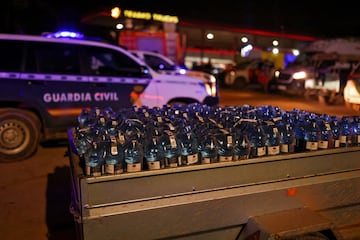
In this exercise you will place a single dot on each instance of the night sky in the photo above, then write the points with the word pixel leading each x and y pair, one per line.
pixel 314 18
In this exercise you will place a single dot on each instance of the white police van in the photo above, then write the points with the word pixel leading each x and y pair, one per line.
pixel 46 82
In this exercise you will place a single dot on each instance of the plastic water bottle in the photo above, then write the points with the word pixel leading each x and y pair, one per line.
pixel 188 147
pixel 101 124
pixel 345 132
pixel 272 138
pixel 286 135
pixel 335 130
pixel 299 132
pixel 133 128
pixel 326 139
pixel 112 126
pixel 207 148
pixel 114 159
pixel 312 135
pixel 241 146
pixel 356 131
pixel 170 145
pixel 225 145
pixel 85 119
pixel 257 139
pixel 154 154
pixel 94 160
pixel 107 112
pixel 133 155
pixel 83 140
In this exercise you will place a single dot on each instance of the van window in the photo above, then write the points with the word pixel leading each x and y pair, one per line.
pixel 11 52
pixel 108 62
pixel 53 58
pixel 157 63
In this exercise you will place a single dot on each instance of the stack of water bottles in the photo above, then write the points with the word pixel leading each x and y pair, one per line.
pixel 134 139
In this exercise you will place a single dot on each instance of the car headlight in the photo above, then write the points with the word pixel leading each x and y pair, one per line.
pixel 353 92
pixel 212 79
pixel 299 75
pixel 211 89
pixel 277 73
pixel 350 89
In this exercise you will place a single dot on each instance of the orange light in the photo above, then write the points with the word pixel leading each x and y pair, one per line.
pixel 138 88
pixel 115 12
pixel 60 112
pixel 291 192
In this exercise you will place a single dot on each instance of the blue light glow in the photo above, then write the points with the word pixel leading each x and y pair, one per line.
pixel 182 71
pixel 65 34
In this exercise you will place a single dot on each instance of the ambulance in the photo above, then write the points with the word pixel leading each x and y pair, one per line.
pixel 47 81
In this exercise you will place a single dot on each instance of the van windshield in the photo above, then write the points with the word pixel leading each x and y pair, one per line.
pixel 158 63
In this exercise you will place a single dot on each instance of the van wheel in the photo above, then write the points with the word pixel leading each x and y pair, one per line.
pixel 19 134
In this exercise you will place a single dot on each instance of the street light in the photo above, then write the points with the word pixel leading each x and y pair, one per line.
pixel 210 36
pixel 244 39
pixel 275 50
pixel 119 26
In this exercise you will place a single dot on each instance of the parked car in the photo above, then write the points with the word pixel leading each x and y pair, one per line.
pixel 248 73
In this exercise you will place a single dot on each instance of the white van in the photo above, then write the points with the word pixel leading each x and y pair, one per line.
pixel 46 82
pixel 164 65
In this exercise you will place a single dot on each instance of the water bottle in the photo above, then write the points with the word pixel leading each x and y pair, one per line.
pixel 94 159
pixel 335 130
pixel 107 112
pixel 312 135
pixel 207 148
pixel 101 124
pixel 225 145
pixel 326 139
pixel 189 151
pixel 154 154
pixel 112 126
pixel 170 145
pixel 132 127
pixel 345 132
pixel 272 138
pixel 85 119
pixel 133 155
pixel 242 146
pixel 299 132
pixel 95 112
pixel 83 138
pixel 114 159
pixel 257 138
pixel 286 135
pixel 356 131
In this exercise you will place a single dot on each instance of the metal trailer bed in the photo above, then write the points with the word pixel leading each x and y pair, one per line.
pixel 281 196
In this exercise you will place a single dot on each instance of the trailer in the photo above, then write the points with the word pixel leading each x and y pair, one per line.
pixel 308 195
